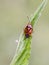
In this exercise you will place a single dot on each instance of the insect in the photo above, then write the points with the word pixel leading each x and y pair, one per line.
pixel 28 30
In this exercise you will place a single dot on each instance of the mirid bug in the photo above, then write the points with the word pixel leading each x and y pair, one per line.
pixel 28 30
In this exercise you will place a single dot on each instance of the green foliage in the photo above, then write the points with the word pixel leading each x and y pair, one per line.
pixel 23 50
pixel 37 14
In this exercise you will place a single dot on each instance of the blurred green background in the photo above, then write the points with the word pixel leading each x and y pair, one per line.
pixel 13 18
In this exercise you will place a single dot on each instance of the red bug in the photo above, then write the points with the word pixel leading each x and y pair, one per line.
pixel 28 30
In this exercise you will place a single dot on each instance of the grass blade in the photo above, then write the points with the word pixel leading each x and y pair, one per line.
pixel 37 14
pixel 22 54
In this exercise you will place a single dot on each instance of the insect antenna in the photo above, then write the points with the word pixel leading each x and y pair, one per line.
pixel 28 18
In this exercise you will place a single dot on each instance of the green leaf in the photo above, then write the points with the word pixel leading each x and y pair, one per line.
pixel 37 14
pixel 23 49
